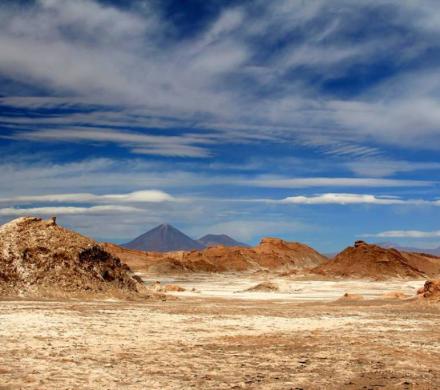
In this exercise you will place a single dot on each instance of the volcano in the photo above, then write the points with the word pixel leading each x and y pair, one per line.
pixel 164 238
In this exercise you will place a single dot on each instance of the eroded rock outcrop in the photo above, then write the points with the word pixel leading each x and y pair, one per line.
pixel 365 260
pixel 271 254
pixel 40 258
pixel 430 291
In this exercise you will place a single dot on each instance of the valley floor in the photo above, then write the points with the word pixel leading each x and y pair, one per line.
pixel 207 342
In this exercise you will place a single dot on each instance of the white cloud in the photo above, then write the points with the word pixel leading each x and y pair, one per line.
pixel 147 196
pixel 385 167
pixel 405 234
pixel 85 51
pixel 139 143
pixel 347 199
pixel 66 210
pixel 279 182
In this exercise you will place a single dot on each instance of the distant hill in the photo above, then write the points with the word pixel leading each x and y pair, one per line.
pixel 434 252
pixel 164 238
pixel 219 239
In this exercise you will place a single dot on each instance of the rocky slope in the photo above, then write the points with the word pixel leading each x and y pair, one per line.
pixel 372 261
pixel 40 258
pixel 270 254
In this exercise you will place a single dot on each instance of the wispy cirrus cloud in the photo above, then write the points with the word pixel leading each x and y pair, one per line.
pixel 146 196
pixel 386 167
pixel 69 210
pixel 350 199
pixel 283 182
pixel 405 234
pixel 138 143
pixel 221 81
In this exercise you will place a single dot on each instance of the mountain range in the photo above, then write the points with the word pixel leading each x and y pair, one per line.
pixel 167 238
pixel 219 239
pixel 432 251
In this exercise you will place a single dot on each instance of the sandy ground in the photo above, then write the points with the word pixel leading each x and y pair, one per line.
pixel 234 286
pixel 209 342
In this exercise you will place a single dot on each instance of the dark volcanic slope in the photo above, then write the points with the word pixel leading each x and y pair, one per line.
pixel 372 261
pixel 219 239
pixel 164 238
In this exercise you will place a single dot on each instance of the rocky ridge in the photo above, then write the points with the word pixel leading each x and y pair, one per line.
pixel 270 254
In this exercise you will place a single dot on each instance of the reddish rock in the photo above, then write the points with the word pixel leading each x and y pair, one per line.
pixel 270 254
pixel 372 261
pixel 430 291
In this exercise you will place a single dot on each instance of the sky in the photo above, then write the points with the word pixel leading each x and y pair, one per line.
pixel 310 120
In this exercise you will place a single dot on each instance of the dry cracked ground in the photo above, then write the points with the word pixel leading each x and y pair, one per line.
pixel 216 343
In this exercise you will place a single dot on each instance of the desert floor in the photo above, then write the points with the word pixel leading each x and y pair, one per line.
pixel 208 341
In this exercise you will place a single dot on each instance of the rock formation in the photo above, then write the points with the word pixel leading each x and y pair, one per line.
pixel 40 258
pixel 430 291
pixel 372 261
pixel 270 254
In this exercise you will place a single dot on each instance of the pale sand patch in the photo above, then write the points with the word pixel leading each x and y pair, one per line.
pixel 233 286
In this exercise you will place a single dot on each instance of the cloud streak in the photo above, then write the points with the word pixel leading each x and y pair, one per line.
pixel 221 82
pixel 147 196
pixel 67 210
pixel 138 143
pixel 335 182
pixel 353 199
pixel 405 234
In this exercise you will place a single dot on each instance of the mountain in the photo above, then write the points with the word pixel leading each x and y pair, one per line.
pixel 164 238
pixel 219 239
pixel 372 261
pixel 432 251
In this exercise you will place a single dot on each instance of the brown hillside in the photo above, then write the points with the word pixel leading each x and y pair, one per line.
pixel 271 254
pixel 275 253
pixel 371 261
pixel 40 258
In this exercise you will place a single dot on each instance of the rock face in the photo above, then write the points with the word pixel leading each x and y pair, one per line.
pixel 271 254
pixel 163 238
pixel 430 291
pixel 219 239
pixel 40 258
pixel 372 261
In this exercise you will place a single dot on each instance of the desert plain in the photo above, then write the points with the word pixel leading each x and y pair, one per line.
pixel 221 337
pixel 277 316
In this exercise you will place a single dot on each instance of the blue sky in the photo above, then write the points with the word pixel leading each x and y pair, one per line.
pixel 313 120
